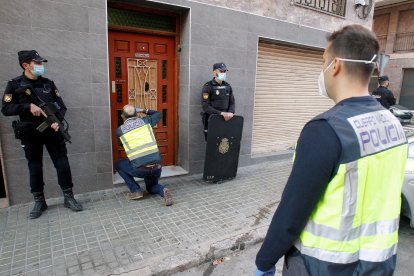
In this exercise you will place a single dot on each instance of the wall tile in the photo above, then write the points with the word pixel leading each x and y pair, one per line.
pixel 11 147
pixel 198 55
pixel 206 15
pixel 82 142
pixel 103 140
pixel 232 58
pixel 65 69
pixel 13 37
pixel 230 38
pixel 81 164
pixel 15 12
pixel 98 47
pixel 195 117
pixel 85 183
pixel 100 94
pixel 54 15
pixel 6 124
pixel 195 95
pixel 237 77
pixel 196 167
pixel 97 21
pixel 197 151
pixel 312 37
pixel 234 20
pixel 77 95
pixel 103 161
pixel 246 147
pixel 9 68
pixel 18 187
pixel 204 34
pixel 80 119
pixel 101 118
pixel 93 3
pixel 196 134
pixel 100 71
pixel 184 54
pixel 56 43
pixel 104 181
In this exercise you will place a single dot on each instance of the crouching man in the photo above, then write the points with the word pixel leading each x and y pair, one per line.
pixel 141 148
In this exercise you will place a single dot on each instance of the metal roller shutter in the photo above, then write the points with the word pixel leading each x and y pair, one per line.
pixel 286 95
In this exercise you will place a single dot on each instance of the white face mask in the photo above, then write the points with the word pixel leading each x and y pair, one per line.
pixel 221 76
pixel 321 81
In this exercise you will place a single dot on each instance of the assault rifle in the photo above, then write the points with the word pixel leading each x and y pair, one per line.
pixel 50 109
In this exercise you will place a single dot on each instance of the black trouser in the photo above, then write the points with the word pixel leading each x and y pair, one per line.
pixel 204 119
pixel 32 143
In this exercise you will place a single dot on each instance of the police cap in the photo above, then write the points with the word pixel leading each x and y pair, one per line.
pixel 29 55
pixel 383 78
pixel 221 66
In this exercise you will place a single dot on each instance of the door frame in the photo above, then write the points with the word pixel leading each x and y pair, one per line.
pixel 176 36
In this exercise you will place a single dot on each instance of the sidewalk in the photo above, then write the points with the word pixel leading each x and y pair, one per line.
pixel 114 236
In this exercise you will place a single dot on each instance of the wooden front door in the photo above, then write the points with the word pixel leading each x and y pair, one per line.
pixel 141 71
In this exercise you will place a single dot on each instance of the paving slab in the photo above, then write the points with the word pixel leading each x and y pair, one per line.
pixel 114 235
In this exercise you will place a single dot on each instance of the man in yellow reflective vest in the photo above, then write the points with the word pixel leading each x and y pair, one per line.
pixel 141 148
pixel 339 212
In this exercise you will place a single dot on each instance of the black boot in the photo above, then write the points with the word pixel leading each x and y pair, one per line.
pixel 70 202
pixel 39 207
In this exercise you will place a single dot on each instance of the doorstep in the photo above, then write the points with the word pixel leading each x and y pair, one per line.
pixel 167 171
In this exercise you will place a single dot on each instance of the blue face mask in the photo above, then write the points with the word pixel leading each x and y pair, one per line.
pixel 38 70
pixel 221 76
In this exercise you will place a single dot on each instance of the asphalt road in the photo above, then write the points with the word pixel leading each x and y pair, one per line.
pixel 242 263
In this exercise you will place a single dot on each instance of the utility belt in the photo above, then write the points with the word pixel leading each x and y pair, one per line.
pixel 152 166
pixel 21 128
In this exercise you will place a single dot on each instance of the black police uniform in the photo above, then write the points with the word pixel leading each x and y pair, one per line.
pixel 384 96
pixel 216 98
pixel 32 140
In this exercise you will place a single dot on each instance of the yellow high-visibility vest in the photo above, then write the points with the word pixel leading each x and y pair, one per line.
pixel 139 142
pixel 357 217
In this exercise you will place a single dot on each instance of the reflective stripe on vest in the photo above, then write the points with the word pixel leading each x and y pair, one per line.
pixel 139 142
pixel 357 217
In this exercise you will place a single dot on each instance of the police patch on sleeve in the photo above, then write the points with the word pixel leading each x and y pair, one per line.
pixel 7 98
pixel 57 93
pixel 205 96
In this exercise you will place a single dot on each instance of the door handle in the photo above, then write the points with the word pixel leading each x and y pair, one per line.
pixel 113 87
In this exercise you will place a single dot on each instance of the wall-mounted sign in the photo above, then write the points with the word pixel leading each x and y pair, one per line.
pixel 142 55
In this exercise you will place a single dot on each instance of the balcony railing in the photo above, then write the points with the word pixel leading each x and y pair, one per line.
pixel 404 42
pixel 335 7
pixel 382 41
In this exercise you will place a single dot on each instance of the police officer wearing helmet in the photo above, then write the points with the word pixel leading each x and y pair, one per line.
pixel 217 96
pixel 31 116
pixel 384 96
pixel 340 210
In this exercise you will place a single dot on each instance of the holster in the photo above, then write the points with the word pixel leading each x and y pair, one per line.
pixel 22 129
pixel 17 126
pixel 204 118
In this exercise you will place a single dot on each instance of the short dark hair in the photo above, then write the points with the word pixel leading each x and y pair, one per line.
pixel 355 42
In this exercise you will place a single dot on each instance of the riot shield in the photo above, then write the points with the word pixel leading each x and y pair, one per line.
pixel 223 148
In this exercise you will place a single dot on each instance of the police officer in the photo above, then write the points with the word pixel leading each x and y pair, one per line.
pixel 383 94
pixel 137 138
pixel 217 96
pixel 339 212
pixel 31 116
